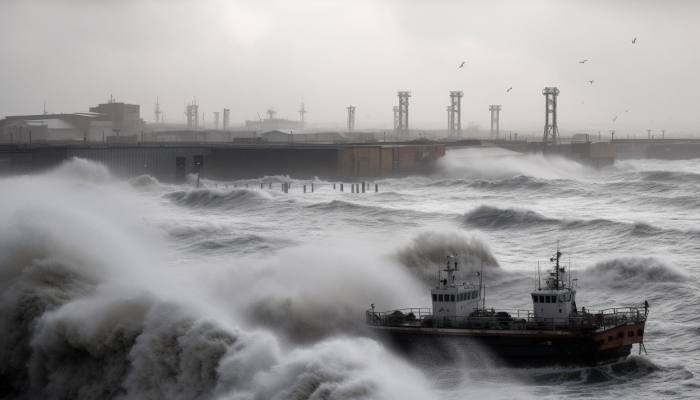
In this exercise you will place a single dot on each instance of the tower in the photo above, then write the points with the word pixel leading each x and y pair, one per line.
pixel 396 117
pixel 227 114
pixel 351 119
pixel 302 111
pixel 449 120
pixel 192 113
pixel 158 112
pixel 455 120
pixel 551 131
pixel 402 127
pixel 271 112
pixel 495 121
pixel 216 120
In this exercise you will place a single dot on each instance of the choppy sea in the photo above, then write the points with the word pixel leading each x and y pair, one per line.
pixel 137 289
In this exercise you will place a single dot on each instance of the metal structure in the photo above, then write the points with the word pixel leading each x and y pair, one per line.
pixel 351 119
pixel 216 120
pixel 302 111
pixel 495 121
pixel 192 113
pixel 271 112
pixel 227 116
pixel 551 131
pixel 402 127
pixel 455 119
pixel 157 112
pixel 449 117
pixel 396 117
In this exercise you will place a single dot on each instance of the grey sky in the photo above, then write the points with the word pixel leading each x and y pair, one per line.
pixel 249 56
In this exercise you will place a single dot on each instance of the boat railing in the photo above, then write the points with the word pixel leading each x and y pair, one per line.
pixel 507 319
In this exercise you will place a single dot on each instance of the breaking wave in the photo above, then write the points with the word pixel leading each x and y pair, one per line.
pixel 428 252
pixel 218 198
pixel 493 217
pixel 626 272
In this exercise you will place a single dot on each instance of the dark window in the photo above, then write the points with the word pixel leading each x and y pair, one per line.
pixel 461 297
pixel 630 333
pixel 640 332
pixel 469 295
pixel 475 294
pixel 547 299
pixel 610 338
pixel 452 298
pixel 434 297
pixel 439 297
pixel 541 299
pixel 534 298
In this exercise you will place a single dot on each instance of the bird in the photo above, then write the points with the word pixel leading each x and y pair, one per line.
pixel 614 118
pixel 591 82
pixel 461 65
pixel 634 40
pixel 509 89
pixel 581 62
pixel 627 110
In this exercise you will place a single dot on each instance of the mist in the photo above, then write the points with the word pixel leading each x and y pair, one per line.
pixel 250 56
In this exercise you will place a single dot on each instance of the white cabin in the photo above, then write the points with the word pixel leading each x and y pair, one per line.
pixel 557 299
pixel 451 300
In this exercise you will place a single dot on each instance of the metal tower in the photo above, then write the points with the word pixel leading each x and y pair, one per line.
pixel 495 121
pixel 551 131
pixel 271 112
pixel 351 119
pixel 302 111
pixel 158 112
pixel 192 113
pixel 455 121
pixel 449 119
pixel 216 120
pixel 396 117
pixel 402 127
pixel 227 115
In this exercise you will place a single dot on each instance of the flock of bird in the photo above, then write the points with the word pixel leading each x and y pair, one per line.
pixel 580 62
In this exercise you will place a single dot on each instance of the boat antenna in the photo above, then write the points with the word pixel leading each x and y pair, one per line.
pixel 556 283
pixel 539 279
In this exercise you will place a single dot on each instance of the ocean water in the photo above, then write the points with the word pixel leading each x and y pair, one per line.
pixel 137 289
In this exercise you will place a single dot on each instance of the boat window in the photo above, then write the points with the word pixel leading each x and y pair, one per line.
pixel 452 298
pixel 434 297
pixel 547 299
pixel 461 297
pixel 541 299
pixel 534 298
pixel 474 294
pixel 439 297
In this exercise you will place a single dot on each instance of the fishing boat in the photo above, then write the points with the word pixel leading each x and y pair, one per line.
pixel 555 330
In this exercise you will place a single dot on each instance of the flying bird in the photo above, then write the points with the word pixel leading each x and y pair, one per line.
pixel 581 62
pixel 634 40
pixel 614 118
pixel 627 110
pixel 591 82
pixel 461 65
pixel 509 89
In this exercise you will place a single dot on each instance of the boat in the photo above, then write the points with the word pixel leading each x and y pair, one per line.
pixel 554 331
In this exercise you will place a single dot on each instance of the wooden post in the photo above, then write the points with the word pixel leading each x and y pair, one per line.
pixel 376 188
pixel 304 188
pixel 341 187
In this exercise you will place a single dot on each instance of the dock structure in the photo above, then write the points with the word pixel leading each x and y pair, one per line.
pixel 173 162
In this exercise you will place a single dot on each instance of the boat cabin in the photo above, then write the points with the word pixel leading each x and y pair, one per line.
pixel 557 299
pixel 454 300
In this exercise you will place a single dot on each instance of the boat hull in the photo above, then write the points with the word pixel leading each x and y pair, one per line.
pixel 519 347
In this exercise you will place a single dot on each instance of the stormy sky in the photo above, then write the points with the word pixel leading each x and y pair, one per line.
pixel 252 55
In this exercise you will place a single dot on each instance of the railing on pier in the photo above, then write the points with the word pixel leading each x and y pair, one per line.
pixel 507 319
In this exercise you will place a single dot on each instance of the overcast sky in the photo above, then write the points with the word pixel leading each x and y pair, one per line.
pixel 252 55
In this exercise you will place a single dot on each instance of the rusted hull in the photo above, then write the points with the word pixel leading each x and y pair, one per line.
pixel 520 347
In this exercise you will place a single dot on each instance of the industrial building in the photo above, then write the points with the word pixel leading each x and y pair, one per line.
pixel 103 123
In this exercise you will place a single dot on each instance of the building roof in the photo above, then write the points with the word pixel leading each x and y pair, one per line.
pixel 51 123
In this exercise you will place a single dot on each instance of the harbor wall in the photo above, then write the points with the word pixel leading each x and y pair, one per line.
pixel 173 163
